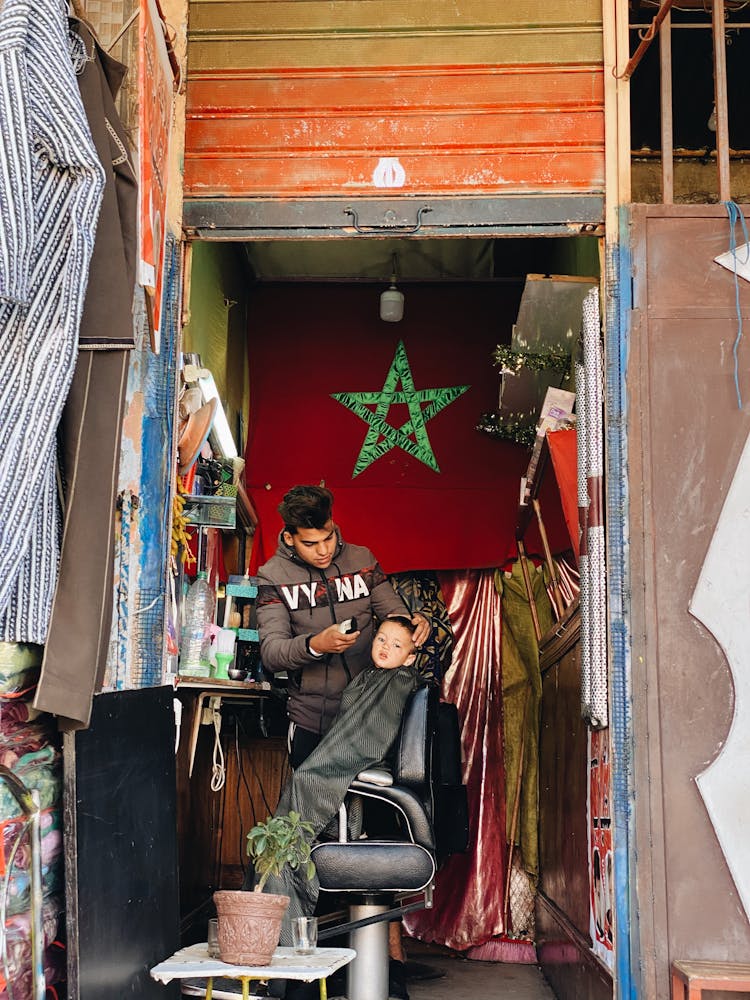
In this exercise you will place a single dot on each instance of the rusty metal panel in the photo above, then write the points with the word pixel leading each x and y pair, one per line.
pixel 283 175
pixel 235 33
pixel 347 15
pixel 682 278
pixel 376 48
pixel 563 903
pixel 563 791
pixel 315 99
pixel 232 92
pixel 685 435
pixel 550 214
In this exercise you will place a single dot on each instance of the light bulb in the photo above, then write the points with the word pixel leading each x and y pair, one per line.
pixel 391 305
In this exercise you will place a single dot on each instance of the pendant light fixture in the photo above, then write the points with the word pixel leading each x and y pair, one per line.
pixel 392 300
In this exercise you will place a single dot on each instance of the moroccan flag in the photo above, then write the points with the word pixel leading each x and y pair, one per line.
pixel 385 415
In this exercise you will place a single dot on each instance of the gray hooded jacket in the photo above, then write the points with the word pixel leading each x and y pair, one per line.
pixel 297 600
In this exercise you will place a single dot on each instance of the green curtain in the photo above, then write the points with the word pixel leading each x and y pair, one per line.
pixel 522 695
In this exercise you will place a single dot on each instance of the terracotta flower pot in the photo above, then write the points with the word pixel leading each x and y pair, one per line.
pixel 249 925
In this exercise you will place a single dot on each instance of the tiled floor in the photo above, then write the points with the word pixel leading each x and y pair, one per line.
pixel 468 980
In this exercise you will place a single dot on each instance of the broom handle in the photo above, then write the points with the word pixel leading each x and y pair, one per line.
pixel 514 818
pixel 554 580
pixel 529 590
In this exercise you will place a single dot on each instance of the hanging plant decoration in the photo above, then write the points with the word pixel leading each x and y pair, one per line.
pixel 511 361
pixel 514 429
pixel 520 426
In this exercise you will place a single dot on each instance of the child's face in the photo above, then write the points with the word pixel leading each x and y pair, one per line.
pixel 392 647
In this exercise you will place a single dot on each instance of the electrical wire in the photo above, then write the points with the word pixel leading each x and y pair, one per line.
pixel 218 770
pixel 257 777
pixel 241 778
pixel 244 778
pixel 735 213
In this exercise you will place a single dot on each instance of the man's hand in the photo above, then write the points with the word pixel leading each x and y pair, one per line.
pixel 330 640
pixel 423 629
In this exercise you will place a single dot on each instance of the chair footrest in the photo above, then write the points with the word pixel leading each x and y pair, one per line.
pixel 373 866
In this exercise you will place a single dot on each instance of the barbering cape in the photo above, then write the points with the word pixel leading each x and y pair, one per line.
pixel 361 736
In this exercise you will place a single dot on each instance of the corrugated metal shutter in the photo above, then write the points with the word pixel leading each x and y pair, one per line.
pixel 304 98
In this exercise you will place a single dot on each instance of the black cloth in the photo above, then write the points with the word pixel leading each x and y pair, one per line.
pixel 361 736
pixel 302 745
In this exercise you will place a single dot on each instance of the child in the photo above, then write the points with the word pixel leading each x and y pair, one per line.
pixel 393 645
pixel 361 736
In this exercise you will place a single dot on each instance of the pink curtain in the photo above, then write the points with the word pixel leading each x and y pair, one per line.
pixel 468 906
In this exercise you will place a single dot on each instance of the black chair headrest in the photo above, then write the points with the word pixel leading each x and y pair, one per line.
pixel 412 765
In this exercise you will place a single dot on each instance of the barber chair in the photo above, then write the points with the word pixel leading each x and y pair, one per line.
pixel 423 802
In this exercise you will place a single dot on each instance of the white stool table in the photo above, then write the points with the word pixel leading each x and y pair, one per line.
pixel 194 962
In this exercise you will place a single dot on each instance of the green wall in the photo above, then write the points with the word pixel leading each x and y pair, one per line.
pixel 217 325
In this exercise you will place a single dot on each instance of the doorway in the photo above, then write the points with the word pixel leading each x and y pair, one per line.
pixel 298 309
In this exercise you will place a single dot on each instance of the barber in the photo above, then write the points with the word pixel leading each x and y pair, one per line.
pixel 315 584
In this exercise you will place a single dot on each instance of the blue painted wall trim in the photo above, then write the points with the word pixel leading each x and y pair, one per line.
pixel 619 305
pixel 155 521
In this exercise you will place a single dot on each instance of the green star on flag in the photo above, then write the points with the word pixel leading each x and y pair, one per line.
pixel 412 436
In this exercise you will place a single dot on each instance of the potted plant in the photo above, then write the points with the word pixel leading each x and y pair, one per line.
pixel 250 922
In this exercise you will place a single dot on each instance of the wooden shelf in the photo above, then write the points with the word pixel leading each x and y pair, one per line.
pixel 218 685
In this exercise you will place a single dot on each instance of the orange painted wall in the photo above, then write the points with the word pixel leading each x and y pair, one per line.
pixel 264 121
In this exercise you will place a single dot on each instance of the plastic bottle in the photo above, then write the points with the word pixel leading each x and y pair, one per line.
pixel 196 637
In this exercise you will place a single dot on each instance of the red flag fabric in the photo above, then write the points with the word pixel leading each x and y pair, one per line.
pixel 384 414
pixel 563 449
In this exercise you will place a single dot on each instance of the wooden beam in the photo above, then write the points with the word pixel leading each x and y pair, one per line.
pixel 667 151
pixel 720 97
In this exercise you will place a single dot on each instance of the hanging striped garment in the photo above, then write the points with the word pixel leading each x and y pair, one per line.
pixel 51 185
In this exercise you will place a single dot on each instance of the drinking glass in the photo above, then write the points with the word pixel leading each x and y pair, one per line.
pixel 213 938
pixel 305 935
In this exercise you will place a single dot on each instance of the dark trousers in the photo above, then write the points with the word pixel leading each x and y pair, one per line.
pixel 301 745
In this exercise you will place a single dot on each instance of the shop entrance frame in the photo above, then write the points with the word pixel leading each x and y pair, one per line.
pixel 561 215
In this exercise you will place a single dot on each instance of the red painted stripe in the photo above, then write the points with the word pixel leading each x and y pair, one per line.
pixel 512 87
pixel 390 134
pixel 455 129
pixel 476 172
